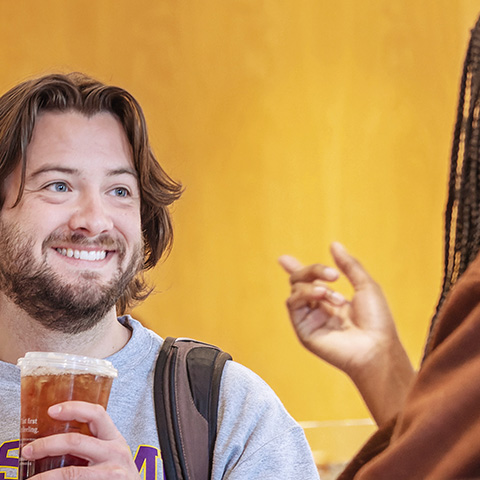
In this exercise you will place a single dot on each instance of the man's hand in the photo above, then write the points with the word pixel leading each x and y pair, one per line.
pixel 107 452
pixel 358 336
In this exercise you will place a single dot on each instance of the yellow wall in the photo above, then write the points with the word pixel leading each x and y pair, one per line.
pixel 291 124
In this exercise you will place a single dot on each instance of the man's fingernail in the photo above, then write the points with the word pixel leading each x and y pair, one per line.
pixel 27 451
pixel 55 409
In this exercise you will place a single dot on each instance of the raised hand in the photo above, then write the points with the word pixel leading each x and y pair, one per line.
pixel 357 336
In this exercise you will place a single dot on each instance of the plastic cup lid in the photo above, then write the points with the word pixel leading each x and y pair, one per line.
pixel 64 362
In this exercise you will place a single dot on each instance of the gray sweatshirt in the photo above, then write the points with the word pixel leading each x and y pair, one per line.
pixel 256 439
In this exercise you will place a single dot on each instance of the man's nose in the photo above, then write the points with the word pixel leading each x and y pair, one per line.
pixel 91 216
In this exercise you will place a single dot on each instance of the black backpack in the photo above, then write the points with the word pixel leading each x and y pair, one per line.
pixel 186 391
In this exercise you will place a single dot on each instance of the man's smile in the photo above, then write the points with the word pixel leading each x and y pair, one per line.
pixel 90 255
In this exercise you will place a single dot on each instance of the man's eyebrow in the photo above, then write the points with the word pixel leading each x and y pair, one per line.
pixel 74 171
pixel 53 168
pixel 122 171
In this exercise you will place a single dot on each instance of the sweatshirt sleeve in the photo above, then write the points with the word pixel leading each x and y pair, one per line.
pixel 256 437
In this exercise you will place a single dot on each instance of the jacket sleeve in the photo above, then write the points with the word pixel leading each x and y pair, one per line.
pixel 437 433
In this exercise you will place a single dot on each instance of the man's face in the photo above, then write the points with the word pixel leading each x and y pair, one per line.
pixel 74 242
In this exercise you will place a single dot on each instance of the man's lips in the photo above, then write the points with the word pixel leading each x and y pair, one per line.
pixel 89 255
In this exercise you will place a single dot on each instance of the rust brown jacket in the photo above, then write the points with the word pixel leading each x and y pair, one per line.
pixel 436 435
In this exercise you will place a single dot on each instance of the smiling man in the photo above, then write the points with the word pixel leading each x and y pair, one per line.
pixel 84 212
pixel 73 241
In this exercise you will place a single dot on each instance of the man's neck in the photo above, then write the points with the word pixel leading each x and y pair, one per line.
pixel 21 334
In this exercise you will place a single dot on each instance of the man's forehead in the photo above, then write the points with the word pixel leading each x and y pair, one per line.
pixel 65 124
pixel 72 140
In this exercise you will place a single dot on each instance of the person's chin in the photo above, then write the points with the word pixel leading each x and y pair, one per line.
pixel 72 275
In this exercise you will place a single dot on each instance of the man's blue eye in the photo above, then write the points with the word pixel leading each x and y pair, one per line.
pixel 120 192
pixel 59 187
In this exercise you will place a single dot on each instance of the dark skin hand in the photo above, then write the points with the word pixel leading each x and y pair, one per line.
pixel 357 336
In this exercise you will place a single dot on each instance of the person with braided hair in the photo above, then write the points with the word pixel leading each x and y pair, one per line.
pixel 429 422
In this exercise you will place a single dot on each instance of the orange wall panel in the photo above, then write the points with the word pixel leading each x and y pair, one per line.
pixel 290 124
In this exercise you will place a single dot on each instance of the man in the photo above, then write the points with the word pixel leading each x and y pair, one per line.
pixel 429 422
pixel 84 212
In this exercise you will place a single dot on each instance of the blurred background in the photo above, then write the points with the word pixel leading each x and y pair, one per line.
pixel 291 124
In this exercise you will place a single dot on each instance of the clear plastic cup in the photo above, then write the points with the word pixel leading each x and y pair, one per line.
pixel 48 378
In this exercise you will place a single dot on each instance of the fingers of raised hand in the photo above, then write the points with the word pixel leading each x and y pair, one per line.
pixel 351 267
pixel 314 272
pixel 312 294
pixel 290 264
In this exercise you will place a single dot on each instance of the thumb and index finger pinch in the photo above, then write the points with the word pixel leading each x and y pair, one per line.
pixel 347 264
pixel 306 274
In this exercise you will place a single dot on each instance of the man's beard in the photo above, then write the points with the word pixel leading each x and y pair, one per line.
pixel 60 306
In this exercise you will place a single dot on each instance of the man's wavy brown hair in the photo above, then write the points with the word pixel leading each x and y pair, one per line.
pixel 19 110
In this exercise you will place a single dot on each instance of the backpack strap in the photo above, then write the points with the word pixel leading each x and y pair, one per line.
pixel 186 393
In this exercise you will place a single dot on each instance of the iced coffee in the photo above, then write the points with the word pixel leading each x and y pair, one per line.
pixel 51 378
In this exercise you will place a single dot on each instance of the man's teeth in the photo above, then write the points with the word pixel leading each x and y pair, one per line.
pixel 92 256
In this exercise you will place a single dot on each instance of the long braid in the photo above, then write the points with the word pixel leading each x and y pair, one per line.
pixel 462 213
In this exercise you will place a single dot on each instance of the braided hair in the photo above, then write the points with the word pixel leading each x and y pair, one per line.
pixel 462 214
